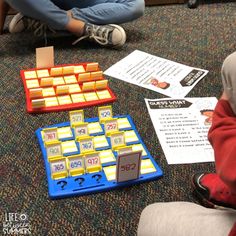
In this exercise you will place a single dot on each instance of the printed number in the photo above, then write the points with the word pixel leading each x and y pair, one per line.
pixel 111 126
pixel 128 167
pixel 93 161
pixel 106 114
pixel 51 135
pixel 87 145
pixel 117 140
pixel 76 118
pixel 75 164
pixel 54 150
pixel 58 167
pixel 81 131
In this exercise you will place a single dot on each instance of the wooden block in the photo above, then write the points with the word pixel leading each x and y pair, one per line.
pixel 83 77
pixel 38 103
pixel 92 67
pixel 68 70
pixel 56 71
pixel 42 73
pixel 36 93
pixel 46 82
pixel 101 84
pixel 88 86
pixel 96 75
pixel 64 89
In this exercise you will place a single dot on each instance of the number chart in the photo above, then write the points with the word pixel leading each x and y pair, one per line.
pixel 93 160
pixel 65 87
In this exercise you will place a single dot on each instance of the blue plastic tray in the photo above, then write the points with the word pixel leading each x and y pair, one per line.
pixel 92 182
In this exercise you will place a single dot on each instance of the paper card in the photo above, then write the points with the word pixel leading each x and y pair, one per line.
pixel 92 162
pixel 44 57
pixel 124 150
pixel 75 164
pixel 53 148
pixel 128 166
pixel 50 134
pixel 58 168
pixel 182 128
pixel 86 144
pixel 80 129
pixel 104 113
pixel 76 117
pixel 110 125
pixel 117 139
pixel 158 74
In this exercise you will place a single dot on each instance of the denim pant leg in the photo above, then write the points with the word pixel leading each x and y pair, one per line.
pixel 103 12
pixel 100 12
pixel 43 10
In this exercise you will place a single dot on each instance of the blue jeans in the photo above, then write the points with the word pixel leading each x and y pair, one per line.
pixel 100 12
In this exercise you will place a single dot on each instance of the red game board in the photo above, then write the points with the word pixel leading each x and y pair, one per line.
pixel 65 87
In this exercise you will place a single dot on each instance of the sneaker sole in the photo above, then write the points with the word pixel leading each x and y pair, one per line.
pixel 123 32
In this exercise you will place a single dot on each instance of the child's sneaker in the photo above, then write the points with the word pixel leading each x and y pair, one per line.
pixel 212 191
pixel 21 23
pixel 105 35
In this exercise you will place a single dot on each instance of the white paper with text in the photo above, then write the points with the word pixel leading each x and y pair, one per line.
pixel 158 74
pixel 182 127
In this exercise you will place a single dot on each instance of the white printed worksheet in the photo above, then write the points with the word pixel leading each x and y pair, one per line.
pixel 182 127
pixel 155 73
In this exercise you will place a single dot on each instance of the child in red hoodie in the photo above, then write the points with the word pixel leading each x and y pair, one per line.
pixel 215 190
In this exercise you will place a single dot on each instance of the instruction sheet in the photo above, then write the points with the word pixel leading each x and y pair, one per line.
pixel 158 74
pixel 182 127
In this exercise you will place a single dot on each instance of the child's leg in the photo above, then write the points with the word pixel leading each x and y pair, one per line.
pixel 103 12
pixel 43 10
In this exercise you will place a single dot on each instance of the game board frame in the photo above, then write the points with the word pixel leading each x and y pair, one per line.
pixel 93 186
pixel 71 106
